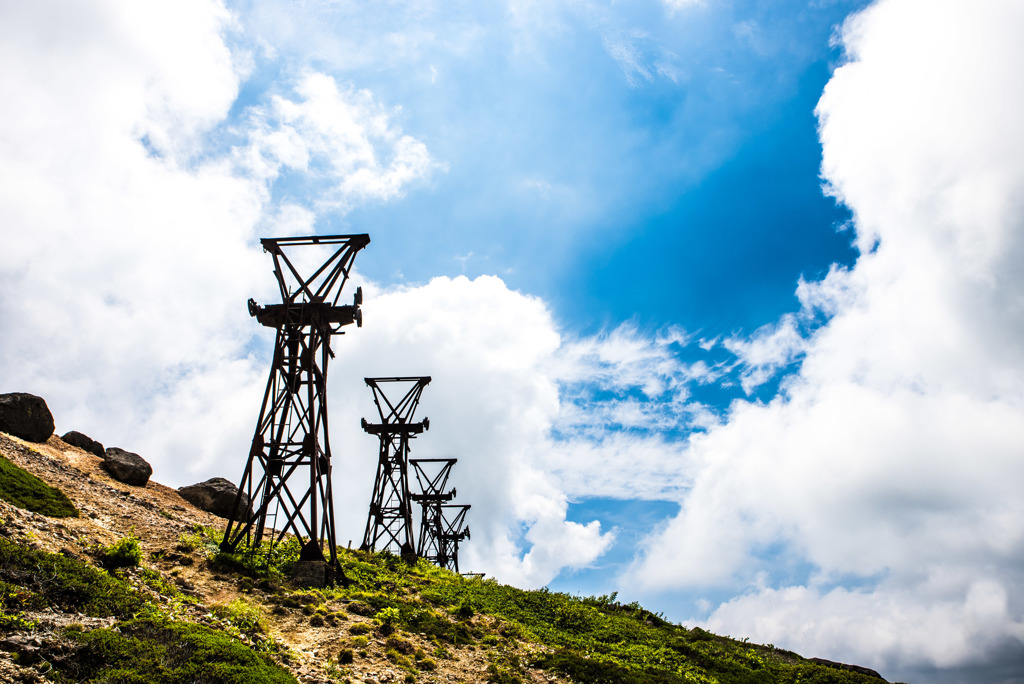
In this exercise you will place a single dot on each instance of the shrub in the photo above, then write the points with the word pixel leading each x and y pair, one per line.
pixel 359 628
pixel 161 652
pixel 346 656
pixel 387 619
pixel 124 553
pixel 43 579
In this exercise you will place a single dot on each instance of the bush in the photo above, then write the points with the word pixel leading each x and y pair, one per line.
pixel 33 580
pixel 124 553
pixel 387 619
pixel 160 652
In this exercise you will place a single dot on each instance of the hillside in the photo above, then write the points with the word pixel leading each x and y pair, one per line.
pixel 133 589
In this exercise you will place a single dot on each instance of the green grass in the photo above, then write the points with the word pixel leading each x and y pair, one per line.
pixel 146 646
pixel 24 490
pixel 157 651
pixel 36 580
pixel 594 640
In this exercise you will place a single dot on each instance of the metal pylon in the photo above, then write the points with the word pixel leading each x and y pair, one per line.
pixel 453 531
pixel 389 524
pixel 289 461
pixel 432 476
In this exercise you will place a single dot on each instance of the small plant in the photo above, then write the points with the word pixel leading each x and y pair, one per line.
pixel 247 617
pixel 502 675
pixel 124 553
pixel 346 656
pixel 359 628
pixel 399 644
pixel 387 618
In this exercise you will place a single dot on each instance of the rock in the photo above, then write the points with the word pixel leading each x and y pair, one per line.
pixel 25 416
pixel 126 467
pixel 77 439
pixel 849 668
pixel 216 496
pixel 309 574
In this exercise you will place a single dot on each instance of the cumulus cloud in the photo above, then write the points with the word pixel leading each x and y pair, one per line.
pixel 129 231
pixel 890 463
pixel 491 404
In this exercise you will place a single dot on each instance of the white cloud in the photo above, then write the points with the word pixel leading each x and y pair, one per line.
pixel 893 457
pixel 338 135
pixel 129 238
pixel 491 404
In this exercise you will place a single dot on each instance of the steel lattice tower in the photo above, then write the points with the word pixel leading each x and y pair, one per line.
pixel 288 474
pixel 432 495
pixel 389 524
pixel 453 529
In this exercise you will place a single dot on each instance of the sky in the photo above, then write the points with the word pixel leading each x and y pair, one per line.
pixel 721 299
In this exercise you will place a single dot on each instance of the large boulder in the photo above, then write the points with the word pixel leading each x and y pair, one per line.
pixel 126 467
pixel 26 416
pixel 84 442
pixel 216 496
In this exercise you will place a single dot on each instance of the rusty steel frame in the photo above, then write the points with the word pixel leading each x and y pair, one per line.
pixel 291 439
pixel 389 523
pixel 432 495
pixel 453 529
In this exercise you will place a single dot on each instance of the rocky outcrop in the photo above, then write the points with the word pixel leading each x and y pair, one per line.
pixel 26 416
pixel 216 496
pixel 849 668
pixel 84 442
pixel 126 466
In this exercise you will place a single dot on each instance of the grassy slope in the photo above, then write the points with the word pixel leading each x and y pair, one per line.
pixel 590 640
pixel 24 490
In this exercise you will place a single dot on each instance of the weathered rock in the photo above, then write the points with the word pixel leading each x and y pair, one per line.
pixel 216 496
pixel 849 668
pixel 26 416
pixel 309 574
pixel 84 442
pixel 126 466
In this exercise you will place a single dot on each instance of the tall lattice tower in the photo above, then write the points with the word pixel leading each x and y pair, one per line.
pixel 452 530
pixel 287 477
pixel 432 477
pixel 389 524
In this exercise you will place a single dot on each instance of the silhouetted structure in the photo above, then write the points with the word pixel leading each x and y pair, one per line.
pixel 389 524
pixel 288 475
pixel 453 529
pixel 432 476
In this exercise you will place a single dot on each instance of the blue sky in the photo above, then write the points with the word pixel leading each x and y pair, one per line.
pixel 721 299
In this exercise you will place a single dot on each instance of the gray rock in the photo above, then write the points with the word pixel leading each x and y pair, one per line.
pixel 849 668
pixel 84 442
pixel 126 467
pixel 216 496
pixel 25 416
